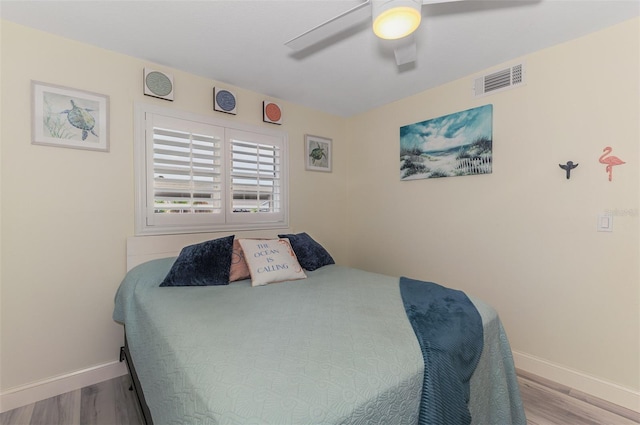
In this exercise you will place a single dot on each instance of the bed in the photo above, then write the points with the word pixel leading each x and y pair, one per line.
pixel 335 347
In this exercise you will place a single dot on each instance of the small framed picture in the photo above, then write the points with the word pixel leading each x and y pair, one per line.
pixel 69 118
pixel 224 101
pixel 158 84
pixel 317 153
pixel 271 112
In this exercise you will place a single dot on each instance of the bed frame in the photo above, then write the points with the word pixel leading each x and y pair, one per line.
pixel 141 249
pixel 125 355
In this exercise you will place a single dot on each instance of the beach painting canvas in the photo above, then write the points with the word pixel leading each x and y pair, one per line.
pixel 458 144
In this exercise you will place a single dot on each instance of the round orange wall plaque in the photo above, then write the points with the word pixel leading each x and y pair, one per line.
pixel 273 112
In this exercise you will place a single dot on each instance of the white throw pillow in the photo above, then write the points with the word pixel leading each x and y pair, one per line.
pixel 271 260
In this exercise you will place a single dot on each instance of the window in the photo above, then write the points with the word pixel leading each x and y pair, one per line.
pixel 199 174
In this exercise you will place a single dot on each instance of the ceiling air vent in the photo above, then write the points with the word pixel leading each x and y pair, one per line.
pixel 499 80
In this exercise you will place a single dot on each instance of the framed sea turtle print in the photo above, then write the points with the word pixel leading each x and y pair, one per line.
pixel 69 118
pixel 317 153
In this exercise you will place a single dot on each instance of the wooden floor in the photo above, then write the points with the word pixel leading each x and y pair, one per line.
pixel 111 403
pixel 547 403
pixel 107 403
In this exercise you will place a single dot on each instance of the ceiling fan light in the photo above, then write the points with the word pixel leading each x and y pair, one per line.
pixel 396 22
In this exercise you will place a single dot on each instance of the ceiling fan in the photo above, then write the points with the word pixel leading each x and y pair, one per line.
pixel 392 20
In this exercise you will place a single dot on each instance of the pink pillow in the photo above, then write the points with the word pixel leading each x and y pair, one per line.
pixel 239 269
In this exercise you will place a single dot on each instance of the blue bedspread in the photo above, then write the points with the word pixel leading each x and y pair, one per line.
pixel 333 349
pixel 449 330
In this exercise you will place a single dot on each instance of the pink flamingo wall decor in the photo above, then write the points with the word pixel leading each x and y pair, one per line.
pixel 609 160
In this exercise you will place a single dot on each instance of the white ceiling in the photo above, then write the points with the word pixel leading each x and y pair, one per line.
pixel 241 42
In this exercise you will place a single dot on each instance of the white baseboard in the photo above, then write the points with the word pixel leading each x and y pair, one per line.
pixel 27 394
pixel 591 385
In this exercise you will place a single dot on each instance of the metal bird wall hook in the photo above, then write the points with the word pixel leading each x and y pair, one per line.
pixel 568 167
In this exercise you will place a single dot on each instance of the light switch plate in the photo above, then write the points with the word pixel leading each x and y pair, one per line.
pixel 605 223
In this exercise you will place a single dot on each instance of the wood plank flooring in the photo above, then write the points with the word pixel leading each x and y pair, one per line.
pixel 111 403
pixel 106 403
pixel 545 405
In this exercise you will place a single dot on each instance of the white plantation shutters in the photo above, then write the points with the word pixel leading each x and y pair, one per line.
pixel 186 170
pixel 197 174
pixel 255 178
pixel 186 159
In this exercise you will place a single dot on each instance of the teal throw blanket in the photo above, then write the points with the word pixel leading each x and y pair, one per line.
pixel 449 330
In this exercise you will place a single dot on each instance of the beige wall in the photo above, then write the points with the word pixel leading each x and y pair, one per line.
pixel 523 238
pixel 66 213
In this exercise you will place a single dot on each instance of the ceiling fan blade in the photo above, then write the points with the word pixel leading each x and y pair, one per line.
pixel 332 27
pixel 405 50
pixel 438 1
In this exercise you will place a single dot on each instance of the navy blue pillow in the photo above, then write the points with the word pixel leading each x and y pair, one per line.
pixel 311 255
pixel 203 264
